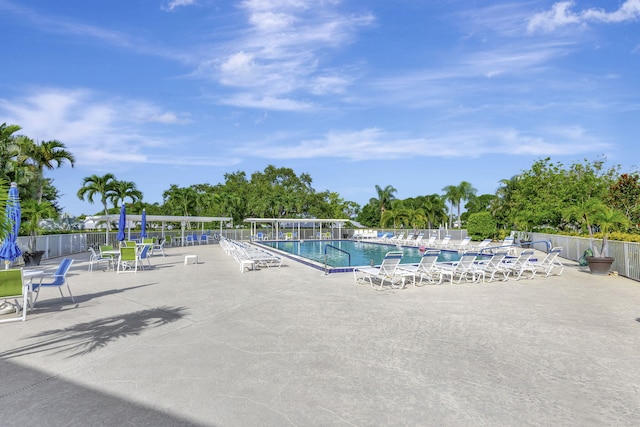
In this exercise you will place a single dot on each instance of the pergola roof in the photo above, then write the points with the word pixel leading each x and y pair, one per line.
pixel 298 220
pixel 161 218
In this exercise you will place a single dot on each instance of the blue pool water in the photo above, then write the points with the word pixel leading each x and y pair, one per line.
pixel 349 253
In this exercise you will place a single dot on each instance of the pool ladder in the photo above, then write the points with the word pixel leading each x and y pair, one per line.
pixel 337 249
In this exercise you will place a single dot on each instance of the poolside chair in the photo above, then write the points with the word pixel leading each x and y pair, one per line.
pixel 494 266
pixel 418 240
pixel 242 259
pixel 483 245
pixel 385 271
pixel 54 280
pixel 96 259
pixel 510 244
pixel 547 264
pixel 444 243
pixel 128 260
pixel 13 287
pixel 203 240
pixel 430 242
pixel 398 238
pixel 158 247
pixel 143 255
pixel 520 264
pixel 260 257
pixel 464 244
pixel 425 268
pixel 465 268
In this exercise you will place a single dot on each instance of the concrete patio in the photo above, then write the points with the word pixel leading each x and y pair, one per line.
pixel 206 345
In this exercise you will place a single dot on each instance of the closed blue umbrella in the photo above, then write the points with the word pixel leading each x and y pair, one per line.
pixel 143 224
pixel 122 223
pixel 9 250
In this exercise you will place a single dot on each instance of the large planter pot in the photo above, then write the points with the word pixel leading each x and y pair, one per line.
pixel 599 265
pixel 32 258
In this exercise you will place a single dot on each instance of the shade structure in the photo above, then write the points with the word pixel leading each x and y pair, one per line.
pixel 143 224
pixel 122 223
pixel 9 250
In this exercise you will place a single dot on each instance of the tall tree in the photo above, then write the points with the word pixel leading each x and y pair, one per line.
pixel 386 196
pixel 46 155
pixel 123 190
pixel 451 195
pixel 102 186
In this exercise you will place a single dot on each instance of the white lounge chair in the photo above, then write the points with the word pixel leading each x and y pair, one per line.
pixel 547 264
pixel 425 268
pixel 466 268
pixel 387 270
pixel 463 245
pixel 494 266
pixel 444 243
pixel 483 245
pixel 430 242
pixel 520 264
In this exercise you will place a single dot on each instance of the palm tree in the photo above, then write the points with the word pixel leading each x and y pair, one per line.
pixel 385 197
pixel 181 201
pixel 451 195
pixel 455 194
pixel 594 212
pixel 434 209
pixel 608 219
pixel 98 185
pixel 121 190
pixel 47 154
pixel 35 211
pixel 7 150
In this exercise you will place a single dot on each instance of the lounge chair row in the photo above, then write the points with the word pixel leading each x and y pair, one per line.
pixel 470 267
pixel 249 256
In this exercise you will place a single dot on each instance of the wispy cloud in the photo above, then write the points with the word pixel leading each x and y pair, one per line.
pixel 59 25
pixel 282 52
pixel 561 14
pixel 96 129
pixel 174 4
pixel 377 144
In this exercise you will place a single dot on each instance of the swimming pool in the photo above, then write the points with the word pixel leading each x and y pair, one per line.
pixel 343 255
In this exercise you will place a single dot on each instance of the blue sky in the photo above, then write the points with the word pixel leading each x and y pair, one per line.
pixel 416 94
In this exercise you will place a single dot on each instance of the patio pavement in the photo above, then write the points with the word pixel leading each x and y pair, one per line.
pixel 206 345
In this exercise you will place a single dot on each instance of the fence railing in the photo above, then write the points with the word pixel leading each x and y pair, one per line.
pixel 626 254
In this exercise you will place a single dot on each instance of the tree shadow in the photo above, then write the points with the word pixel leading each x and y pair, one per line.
pixel 88 337
pixel 55 303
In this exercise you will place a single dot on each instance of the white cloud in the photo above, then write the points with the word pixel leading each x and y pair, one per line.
pixel 95 129
pixel 173 4
pixel 376 144
pixel 253 100
pixel 282 51
pixel 562 15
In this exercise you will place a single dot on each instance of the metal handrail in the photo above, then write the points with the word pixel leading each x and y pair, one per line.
pixel 337 249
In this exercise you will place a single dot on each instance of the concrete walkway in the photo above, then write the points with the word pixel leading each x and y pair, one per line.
pixel 205 345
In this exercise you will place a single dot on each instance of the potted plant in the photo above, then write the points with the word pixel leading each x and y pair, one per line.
pixel 593 213
pixel 34 212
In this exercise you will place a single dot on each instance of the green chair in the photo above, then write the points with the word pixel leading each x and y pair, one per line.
pixel 12 286
pixel 148 240
pixel 128 259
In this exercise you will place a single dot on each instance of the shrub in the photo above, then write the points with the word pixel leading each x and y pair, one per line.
pixel 481 225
